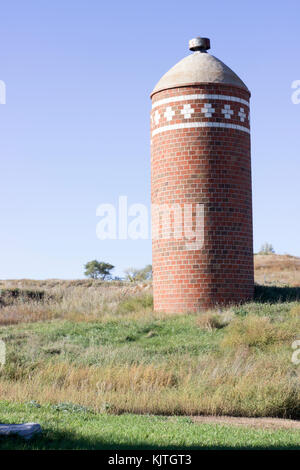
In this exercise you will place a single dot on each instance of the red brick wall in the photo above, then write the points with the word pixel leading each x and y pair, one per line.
pixel 207 165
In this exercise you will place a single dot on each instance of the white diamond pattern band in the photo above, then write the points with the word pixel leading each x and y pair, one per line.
pixel 190 125
pixel 174 99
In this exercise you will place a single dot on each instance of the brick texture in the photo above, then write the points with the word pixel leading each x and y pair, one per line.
pixel 211 165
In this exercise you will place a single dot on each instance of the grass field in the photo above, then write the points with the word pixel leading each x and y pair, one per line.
pixel 68 428
pixel 87 352
pixel 278 269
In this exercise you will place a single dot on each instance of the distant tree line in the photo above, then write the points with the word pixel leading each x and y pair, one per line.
pixel 266 249
pixel 101 270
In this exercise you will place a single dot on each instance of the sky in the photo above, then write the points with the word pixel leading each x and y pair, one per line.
pixel 75 126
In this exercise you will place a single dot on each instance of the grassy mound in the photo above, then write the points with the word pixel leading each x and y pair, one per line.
pixel 115 354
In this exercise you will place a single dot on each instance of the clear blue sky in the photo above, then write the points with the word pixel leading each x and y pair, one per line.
pixel 75 128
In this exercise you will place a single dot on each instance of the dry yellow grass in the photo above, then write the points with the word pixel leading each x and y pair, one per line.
pixel 233 361
pixel 214 320
pixel 233 384
pixel 260 331
pixel 279 269
pixel 90 302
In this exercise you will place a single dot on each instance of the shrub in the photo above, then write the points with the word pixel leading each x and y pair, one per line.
pixel 138 275
pixel 266 249
pixel 212 321
pixel 10 296
pixel 256 331
pixel 134 304
pixel 295 311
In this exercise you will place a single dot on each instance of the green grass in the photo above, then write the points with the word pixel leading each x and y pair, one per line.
pixel 164 365
pixel 70 428
pixel 95 366
pixel 149 339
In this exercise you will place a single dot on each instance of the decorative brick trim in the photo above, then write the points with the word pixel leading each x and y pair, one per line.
pixel 174 99
pixel 189 125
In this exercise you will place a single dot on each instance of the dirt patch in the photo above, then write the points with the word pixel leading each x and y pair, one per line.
pixel 261 423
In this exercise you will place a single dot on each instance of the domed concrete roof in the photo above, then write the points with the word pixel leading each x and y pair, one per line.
pixel 199 67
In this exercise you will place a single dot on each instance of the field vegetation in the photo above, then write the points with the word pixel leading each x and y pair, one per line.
pixel 99 346
pixel 75 427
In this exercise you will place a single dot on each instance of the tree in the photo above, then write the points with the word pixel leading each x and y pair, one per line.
pixel 146 272
pixel 266 249
pixel 133 274
pixel 98 269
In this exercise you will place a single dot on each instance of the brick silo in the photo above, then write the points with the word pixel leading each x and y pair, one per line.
pixel 200 158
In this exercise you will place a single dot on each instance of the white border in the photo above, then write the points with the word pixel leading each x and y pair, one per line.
pixel 190 125
pixel 174 99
